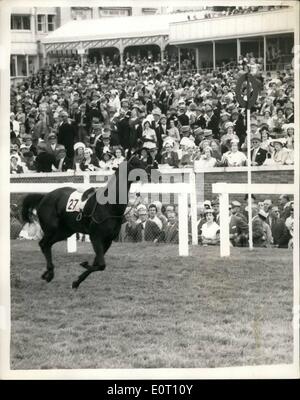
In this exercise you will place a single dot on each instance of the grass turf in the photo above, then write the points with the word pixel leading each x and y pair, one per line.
pixel 151 308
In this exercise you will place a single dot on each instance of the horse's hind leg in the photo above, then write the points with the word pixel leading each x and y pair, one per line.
pixel 99 262
pixel 46 244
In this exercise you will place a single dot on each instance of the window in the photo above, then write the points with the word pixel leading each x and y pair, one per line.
pixel 149 11
pixel 114 12
pixel 81 13
pixel 41 23
pixel 20 22
pixel 51 23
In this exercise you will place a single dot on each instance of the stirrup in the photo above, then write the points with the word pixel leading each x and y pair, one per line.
pixel 79 216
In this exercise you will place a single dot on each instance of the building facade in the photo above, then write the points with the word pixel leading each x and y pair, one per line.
pixel 30 25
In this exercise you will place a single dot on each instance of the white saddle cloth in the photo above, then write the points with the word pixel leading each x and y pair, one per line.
pixel 74 203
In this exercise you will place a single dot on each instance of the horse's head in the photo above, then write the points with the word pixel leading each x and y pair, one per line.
pixel 136 168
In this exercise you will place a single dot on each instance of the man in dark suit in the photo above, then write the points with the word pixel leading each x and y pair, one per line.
pixel 145 229
pixel 239 126
pixel 284 202
pixel 170 232
pixel 124 130
pixel 52 146
pixel 44 161
pixel 66 134
pixel 280 232
pixel 64 163
pixel 258 155
pixel 210 121
pixel 289 113
pixel 238 230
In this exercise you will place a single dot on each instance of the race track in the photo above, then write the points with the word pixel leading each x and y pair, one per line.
pixel 151 309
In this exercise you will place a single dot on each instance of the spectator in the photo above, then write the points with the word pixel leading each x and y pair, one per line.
pixel 280 154
pixel 289 223
pixel 280 233
pixel 234 157
pixel 285 206
pixel 238 230
pixel 262 235
pixel 78 155
pixel 118 158
pixel 258 154
pixel 90 161
pixel 15 166
pixel 149 134
pixel 66 134
pixel 171 231
pixel 206 160
pixel 64 163
pixel 45 162
pixel 152 211
pixel 145 229
pixel 169 156
pixel 210 230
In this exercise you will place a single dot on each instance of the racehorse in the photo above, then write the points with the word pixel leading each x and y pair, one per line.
pixel 101 221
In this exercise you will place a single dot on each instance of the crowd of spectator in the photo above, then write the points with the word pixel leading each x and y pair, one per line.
pixel 214 12
pixel 157 223
pixel 69 117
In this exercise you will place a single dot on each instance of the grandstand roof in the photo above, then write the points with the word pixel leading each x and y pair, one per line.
pixel 114 28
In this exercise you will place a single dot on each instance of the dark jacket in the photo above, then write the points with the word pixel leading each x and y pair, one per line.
pixel 44 162
pixel 260 157
pixel 66 136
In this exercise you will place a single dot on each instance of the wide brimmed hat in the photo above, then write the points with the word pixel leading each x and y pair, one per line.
pixel 282 141
pixel 78 145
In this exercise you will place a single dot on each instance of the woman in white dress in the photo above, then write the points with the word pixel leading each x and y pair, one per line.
pixel 118 158
pixel 149 134
pixel 234 157
pixel 210 230
pixel 281 154
pixel 206 159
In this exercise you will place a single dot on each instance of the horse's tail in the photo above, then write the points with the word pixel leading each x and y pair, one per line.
pixel 30 202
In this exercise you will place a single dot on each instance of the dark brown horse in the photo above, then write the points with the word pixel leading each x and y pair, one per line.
pixel 101 221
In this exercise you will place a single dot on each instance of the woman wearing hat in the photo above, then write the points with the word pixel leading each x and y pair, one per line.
pixel 206 159
pixel 234 157
pixel 90 162
pixel 169 156
pixel 210 230
pixel 280 153
pixel 78 155
pixel 15 166
pixel 228 137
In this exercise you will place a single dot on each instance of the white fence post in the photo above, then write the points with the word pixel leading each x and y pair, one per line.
pixel 224 225
pixel 193 198
pixel 183 224
pixel 72 244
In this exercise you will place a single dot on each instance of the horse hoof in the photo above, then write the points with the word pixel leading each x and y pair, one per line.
pixel 102 267
pixel 48 276
pixel 75 285
pixel 44 275
pixel 85 264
